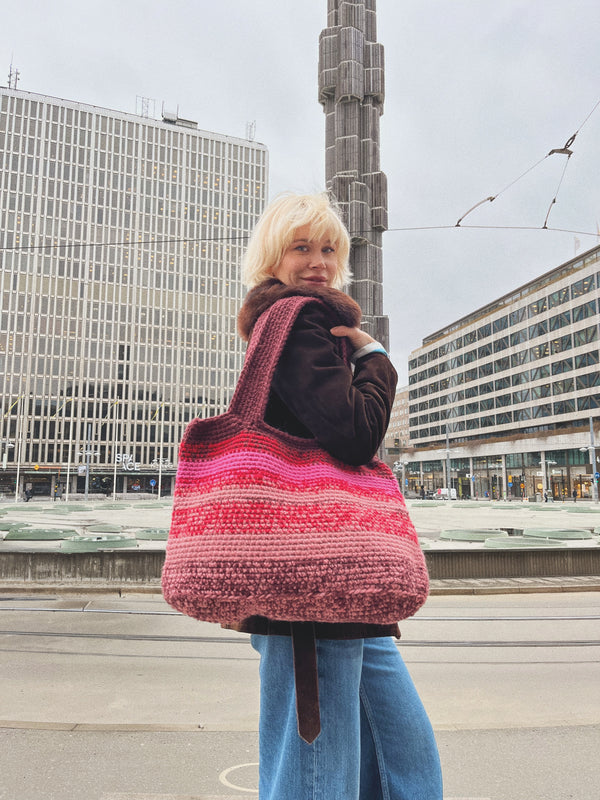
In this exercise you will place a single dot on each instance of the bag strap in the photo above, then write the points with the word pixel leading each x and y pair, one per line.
pixel 249 401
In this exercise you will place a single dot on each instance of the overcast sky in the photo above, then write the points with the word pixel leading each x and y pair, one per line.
pixel 477 93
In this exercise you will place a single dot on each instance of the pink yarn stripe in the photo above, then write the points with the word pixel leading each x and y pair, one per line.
pixel 250 462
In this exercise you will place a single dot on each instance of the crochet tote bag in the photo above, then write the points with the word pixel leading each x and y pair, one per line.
pixel 266 523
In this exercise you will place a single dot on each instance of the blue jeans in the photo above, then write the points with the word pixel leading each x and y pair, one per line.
pixel 376 741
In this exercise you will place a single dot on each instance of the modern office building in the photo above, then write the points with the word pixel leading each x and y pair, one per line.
pixel 398 434
pixel 120 242
pixel 506 400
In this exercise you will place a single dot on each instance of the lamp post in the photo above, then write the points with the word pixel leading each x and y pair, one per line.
pixel 591 448
pixel 88 453
pixel 400 466
pixel 8 445
pixel 448 478
pixel 548 476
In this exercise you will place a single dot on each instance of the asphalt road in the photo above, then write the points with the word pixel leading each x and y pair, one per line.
pixel 119 698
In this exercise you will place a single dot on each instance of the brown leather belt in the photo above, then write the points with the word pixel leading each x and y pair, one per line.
pixel 306 679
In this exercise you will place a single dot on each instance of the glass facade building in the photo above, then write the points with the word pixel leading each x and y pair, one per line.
pixel 120 246
pixel 512 390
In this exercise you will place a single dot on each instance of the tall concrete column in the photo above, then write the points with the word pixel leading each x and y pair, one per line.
pixel 351 91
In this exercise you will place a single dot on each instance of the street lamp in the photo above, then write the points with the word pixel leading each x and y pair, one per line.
pixel 548 475
pixel 8 445
pixel 400 465
pixel 88 453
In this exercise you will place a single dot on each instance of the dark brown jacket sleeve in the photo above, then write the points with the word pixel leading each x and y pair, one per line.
pixel 315 393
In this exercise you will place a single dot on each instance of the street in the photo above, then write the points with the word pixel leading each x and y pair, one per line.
pixel 120 698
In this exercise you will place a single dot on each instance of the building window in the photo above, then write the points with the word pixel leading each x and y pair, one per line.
pixel 516 316
pixel 520 377
pixel 562 366
pixel 560 387
pixel 587 380
pixel 589 402
pixel 543 390
pixel 561 344
pixel 564 407
pixel 537 307
pixel 583 311
pixel 540 372
pixel 583 286
pixel 560 320
pixel 522 396
pixel 585 336
pixel 518 337
pixel 542 410
pixel 586 359
pixel 500 324
pixel 558 297
pixel 538 329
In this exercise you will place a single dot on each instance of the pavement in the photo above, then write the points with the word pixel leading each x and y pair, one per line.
pixel 109 697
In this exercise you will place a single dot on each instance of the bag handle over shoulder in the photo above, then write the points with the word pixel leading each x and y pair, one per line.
pixel 249 401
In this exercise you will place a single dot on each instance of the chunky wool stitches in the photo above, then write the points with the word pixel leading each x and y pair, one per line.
pixel 265 523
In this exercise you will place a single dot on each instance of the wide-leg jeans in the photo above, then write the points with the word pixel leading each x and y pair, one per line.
pixel 376 740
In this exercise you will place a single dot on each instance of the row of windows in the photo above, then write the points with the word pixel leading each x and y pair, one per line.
pixel 28 118
pixel 515 339
pixel 543 350
pixel 526 376
pixel 513 461
pixel 567 406
pixel 516 317
pixel 543 390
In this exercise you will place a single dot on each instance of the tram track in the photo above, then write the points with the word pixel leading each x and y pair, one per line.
pixel 132 637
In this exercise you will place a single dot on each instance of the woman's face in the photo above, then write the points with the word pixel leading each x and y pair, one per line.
pixel 307 262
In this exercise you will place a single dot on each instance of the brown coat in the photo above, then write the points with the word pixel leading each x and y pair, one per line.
pixel 315 394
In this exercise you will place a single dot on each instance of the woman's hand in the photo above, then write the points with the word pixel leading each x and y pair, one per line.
pixel 358 338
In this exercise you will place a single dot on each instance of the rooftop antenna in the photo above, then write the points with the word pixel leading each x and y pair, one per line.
pixel 13 76
pixel 251 130
pixel 143 106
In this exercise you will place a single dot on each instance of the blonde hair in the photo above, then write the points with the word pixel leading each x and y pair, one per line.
pixel 275 230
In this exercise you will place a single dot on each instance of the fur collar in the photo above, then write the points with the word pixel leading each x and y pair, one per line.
pixel 259 299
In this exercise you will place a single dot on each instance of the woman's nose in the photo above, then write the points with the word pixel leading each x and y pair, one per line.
pixel 317 262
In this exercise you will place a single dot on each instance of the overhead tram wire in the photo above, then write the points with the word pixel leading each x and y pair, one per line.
pixel 564 150
pixel 407 229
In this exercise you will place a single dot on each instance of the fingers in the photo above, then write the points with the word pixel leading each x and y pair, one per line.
pixel 358 338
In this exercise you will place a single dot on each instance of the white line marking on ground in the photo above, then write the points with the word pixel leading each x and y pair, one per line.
pixel 144 796
pixel 225 782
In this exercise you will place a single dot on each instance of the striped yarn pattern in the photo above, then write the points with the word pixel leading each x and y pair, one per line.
pixel 265 523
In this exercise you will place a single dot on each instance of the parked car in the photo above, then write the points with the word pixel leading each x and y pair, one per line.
pixel 442 494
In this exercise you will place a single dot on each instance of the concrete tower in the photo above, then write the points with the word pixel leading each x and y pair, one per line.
pixel 351 90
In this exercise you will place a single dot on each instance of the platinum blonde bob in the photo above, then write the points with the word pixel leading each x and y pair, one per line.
pixel 275 229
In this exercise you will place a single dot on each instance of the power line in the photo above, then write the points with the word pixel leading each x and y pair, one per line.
pixel 565 150
pixel 407 229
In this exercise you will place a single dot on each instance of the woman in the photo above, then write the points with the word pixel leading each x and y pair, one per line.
pixel 374 739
